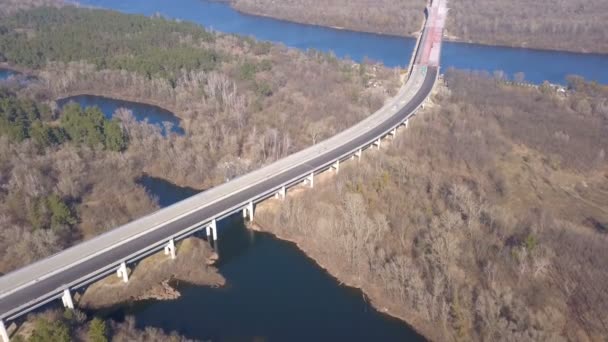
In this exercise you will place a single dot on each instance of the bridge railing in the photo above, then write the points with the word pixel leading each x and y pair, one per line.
pixel 47 267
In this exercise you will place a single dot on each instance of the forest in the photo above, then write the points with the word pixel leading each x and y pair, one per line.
pixel 132 43
pixel 74 325
pixel 485 220
pixel 22 118
pixel 69 174
pixel 506 237
pixel 378 16
pixel 579 26
pixel 9 7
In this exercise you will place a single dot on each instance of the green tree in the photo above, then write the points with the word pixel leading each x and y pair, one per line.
pixel 45 331
pixel 41 134
pixel 115 138
pixel 83 126
pixel 17 115
pixel 97 330
pixel 265 65
pixel 263 89
pixel 247 71
pixel 61 215
pixel 45 135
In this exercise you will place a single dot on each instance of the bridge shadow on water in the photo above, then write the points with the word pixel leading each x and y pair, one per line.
pixel 273 292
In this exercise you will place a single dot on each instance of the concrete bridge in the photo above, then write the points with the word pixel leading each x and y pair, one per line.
pixel 55 277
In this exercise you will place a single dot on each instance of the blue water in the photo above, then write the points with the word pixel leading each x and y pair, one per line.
pixel 5 74
pixel 141 112
pixel 537 65
pixel 273 292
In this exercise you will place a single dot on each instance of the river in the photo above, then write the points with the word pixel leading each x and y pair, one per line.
pixel 537 65
pixel 273 293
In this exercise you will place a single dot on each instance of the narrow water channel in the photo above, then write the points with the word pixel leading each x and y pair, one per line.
pixel 273 293
pixel 537 65
pixel 141 112
pixel 5 74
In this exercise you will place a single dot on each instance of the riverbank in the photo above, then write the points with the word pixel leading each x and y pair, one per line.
pixel 99 92
pixel 376 296
pixel 152 277
pixel 17 69
pixel 474 243
pixel 413 34
pixel 373 293
pixel 385 19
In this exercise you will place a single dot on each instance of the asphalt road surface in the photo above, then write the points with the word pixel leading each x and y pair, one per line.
pixel 49 288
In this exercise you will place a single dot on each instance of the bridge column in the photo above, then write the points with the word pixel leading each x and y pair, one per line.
pixel 248 211
pixel 393 133
pixel 67 299
pixel 310 180
pixel 407 123
pixel 358 154
pixel 336 166
pixel 378 143
pixel 281 194
pixel 122 272
pixel 3 332
pixel 213 228
pixel 170 248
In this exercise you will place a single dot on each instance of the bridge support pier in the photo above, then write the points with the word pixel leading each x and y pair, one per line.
pixel 170 249
pixel 358 155
pixel 3 332
pixel 248 211
pixel 67 299
pixel 393 133
pixel 407 123
pixel 212 230
pixel 336 166
pixel 310 180
pixel 281 194
pixel 378 143
pixel 122 272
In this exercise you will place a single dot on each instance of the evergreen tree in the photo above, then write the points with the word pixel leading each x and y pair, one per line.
pixel 97 330
pixel 61 215
pixel 115 138
pixel 46 331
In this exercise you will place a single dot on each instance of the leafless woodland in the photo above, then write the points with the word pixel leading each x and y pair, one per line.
pixel 380 16
pixel 580 26
pixel 486 220
pixel 12 6
pixel 231 128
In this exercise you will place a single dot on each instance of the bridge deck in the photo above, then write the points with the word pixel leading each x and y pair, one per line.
pixel 33 285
